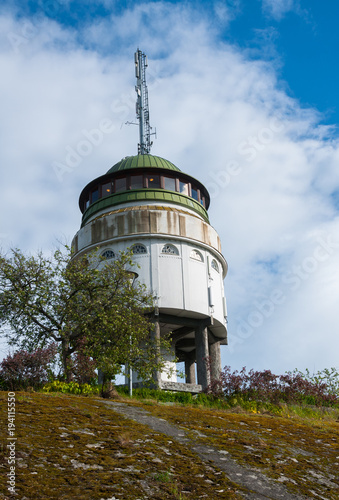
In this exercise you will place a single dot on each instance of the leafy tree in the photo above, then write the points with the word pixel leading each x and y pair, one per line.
pixel 66 300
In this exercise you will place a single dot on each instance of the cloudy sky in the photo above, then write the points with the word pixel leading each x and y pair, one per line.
pixel 244 97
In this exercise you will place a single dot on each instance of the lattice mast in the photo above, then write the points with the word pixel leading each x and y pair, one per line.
pixel 142 108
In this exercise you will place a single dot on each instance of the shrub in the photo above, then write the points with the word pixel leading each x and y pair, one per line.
pixel 264 386
pixel 25 369
pixel 71 388
pixel 328 376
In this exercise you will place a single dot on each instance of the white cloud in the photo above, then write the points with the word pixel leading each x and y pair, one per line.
pixel 227 12
pixel 278 8
pixel 220 117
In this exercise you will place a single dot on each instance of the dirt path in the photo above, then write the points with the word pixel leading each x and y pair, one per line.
pixel 255 484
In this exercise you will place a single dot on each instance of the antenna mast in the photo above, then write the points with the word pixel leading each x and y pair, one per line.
pixel 142 109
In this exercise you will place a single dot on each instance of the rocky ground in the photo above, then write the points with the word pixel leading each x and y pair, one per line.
pixel 75 447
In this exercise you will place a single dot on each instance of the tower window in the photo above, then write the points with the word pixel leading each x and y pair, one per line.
pixel 120 184
pixel 108 254
pixel 195 255
pixel 183 186
pixel 153 181
pixel 138 249
pixel 95 195
pixel 106 189
pixel 169 183
pixel 170 249
pixel 195 193
pixel 214 265
pixel 137 182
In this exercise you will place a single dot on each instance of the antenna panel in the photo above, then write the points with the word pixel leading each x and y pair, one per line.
pixel 142 108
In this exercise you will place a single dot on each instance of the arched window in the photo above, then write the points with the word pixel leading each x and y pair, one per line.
pixel 138 249
pixel 214 265
pixel 170 249
pixel 108 254
pixel 196 255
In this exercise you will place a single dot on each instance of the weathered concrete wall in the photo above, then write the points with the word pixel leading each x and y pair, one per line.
pixel 178 386
pixel 155 220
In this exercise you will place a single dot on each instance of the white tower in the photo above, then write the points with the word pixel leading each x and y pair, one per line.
pixel 146 203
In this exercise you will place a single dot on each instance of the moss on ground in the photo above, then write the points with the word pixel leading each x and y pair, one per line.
pixel 74 447
pixel 301 453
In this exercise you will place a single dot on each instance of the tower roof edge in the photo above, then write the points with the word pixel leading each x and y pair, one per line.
pixel 142 161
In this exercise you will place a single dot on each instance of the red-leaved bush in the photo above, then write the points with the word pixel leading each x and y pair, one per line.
pixel 27 369
pixel 267 387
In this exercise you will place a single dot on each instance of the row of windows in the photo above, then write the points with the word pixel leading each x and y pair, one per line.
pixel 169 249
pixel 145 181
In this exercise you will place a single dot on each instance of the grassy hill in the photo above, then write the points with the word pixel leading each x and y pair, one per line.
pixel 76 447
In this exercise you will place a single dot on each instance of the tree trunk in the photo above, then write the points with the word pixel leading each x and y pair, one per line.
pixel 66 360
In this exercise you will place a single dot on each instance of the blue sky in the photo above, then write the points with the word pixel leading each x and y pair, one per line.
pixel 304 41
pixel 300 37
pixel 244 97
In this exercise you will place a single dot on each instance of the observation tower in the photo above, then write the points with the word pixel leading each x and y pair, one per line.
pixel 146 203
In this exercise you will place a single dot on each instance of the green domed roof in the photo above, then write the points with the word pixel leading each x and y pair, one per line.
pixel 141 161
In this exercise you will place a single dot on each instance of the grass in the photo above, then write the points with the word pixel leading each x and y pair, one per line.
pixel 71 446
pixel 232 403
pixel 299 447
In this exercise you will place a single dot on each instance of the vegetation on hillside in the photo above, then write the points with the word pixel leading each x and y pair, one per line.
pixel 76 447
pixel 296 446
pixel 71 446
pixel 265 386
pixel 85 305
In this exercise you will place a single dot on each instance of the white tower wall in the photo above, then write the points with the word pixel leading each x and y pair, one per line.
pixel 149 205
pixel 196 265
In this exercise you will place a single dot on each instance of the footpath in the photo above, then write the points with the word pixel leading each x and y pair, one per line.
pixel 254 484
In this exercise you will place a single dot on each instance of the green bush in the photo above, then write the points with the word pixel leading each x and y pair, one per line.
pixel 71 388
pixel 183 397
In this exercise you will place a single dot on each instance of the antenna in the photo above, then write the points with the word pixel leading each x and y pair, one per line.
pixel 142 109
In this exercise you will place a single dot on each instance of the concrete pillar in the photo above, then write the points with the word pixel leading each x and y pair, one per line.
pixel 215 359
pixel 190 368
pixel 155 337
pixel 202 353
pixel 100 377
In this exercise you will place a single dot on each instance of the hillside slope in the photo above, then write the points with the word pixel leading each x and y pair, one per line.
pixel 76 447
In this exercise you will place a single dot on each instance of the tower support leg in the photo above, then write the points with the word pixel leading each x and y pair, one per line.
pixel 202 353
pixel 190 368
pixel 215 359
